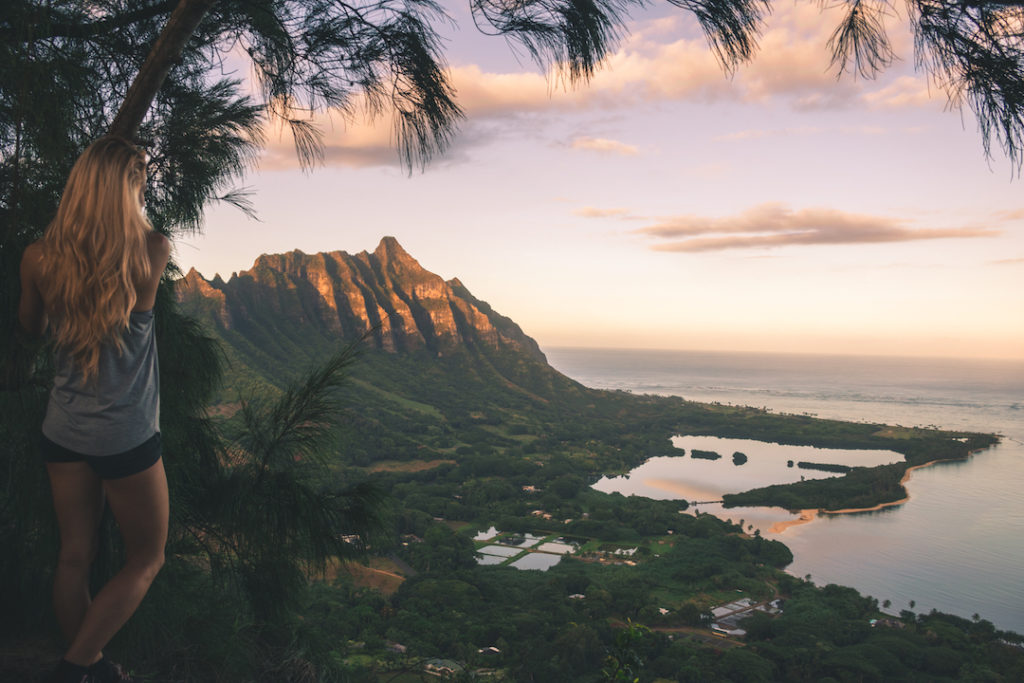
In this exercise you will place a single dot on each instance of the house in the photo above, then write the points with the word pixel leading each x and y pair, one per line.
pixel 442 668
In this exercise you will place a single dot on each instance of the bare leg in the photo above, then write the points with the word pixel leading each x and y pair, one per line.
pixel 78 502
pixel 139 503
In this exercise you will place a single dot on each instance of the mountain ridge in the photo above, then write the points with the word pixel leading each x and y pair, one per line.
pixel 385 293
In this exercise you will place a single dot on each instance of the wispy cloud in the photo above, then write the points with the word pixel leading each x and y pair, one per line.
pixel 1009 262
pixel 1015 215
pixel 906 91
pixel 662 60
pixel 592 212
pixel 357 144
pixel 776 225
pixel 604 145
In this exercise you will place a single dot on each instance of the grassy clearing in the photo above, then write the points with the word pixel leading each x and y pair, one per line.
pixel 380 580
pixel 415 406
pixel 378 573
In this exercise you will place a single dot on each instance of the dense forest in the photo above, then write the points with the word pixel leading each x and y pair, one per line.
pixel 411 457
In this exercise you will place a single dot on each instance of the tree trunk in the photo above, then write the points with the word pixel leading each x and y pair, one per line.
pixel 165 52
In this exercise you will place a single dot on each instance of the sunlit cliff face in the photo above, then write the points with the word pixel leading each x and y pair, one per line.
pixel 387 291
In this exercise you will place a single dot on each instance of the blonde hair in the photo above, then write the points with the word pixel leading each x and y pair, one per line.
pixel 94 250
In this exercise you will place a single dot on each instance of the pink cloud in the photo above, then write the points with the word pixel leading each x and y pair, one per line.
pixel 662 60
pixel 1015 215
pixel 775 225
pixel 604 145
pixel 592 212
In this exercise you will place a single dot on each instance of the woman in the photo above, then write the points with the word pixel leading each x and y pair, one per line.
pixel 92 280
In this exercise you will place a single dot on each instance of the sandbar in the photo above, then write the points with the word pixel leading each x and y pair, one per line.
pixel 805 517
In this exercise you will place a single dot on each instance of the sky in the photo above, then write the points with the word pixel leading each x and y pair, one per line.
pixel 666 204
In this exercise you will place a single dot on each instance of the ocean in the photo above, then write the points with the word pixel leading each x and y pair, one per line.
pixel 957 545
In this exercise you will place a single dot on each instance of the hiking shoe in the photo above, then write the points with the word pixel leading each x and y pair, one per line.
pixel 105 671
pixel 67 672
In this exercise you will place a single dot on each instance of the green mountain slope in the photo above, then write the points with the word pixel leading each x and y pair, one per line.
pixel 444 376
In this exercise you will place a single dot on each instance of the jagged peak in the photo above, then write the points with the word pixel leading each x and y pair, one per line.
pixel 390 251
pixel 195 282
pixel 389 246
pixel 348 294
pixel 194 279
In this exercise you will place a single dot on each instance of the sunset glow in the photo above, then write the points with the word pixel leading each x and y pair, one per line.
pixel 668 205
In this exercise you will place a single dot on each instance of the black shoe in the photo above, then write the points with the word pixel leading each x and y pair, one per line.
pixel 105 671
pixel 66 672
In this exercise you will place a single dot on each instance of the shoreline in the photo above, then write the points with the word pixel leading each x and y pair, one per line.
pixel 810 514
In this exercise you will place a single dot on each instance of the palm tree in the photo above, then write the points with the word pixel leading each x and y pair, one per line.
pixel 274 505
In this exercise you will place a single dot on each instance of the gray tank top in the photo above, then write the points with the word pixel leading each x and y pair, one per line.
pixel 116 410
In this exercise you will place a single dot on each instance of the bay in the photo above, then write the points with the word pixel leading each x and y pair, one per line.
pixel 957 545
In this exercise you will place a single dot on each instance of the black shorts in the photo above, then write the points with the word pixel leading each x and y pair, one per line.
pixel 116 466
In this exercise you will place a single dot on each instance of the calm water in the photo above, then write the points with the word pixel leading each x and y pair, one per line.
pixel 698 479
pixel 957 545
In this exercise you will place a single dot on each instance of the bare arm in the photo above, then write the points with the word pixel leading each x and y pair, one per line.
pixel 159 249
pixel 31 311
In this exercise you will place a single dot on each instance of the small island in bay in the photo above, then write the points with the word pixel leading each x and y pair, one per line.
pixel 705 455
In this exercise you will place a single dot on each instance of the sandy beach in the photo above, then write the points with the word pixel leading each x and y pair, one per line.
pixel 811 514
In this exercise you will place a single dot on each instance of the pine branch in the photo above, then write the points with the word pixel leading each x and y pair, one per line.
pixel 165 52
pixel 50 24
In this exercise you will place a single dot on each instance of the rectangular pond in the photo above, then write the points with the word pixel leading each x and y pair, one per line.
pixel 542 561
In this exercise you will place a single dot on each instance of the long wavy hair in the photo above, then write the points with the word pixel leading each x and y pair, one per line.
pixel 94 250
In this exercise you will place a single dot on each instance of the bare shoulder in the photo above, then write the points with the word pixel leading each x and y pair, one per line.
pixel 33 254
pixel 31 310
pixel 159 248
pixel 32 260
pixel 158 244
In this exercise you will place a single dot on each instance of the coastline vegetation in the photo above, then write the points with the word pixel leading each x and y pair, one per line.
pixel 705 455
pixel 823 466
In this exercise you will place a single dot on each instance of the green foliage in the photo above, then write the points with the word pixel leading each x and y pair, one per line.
pixel 823 466
pixel 274 505
pixel 705 455
pixel 861 487
pixel 623 662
